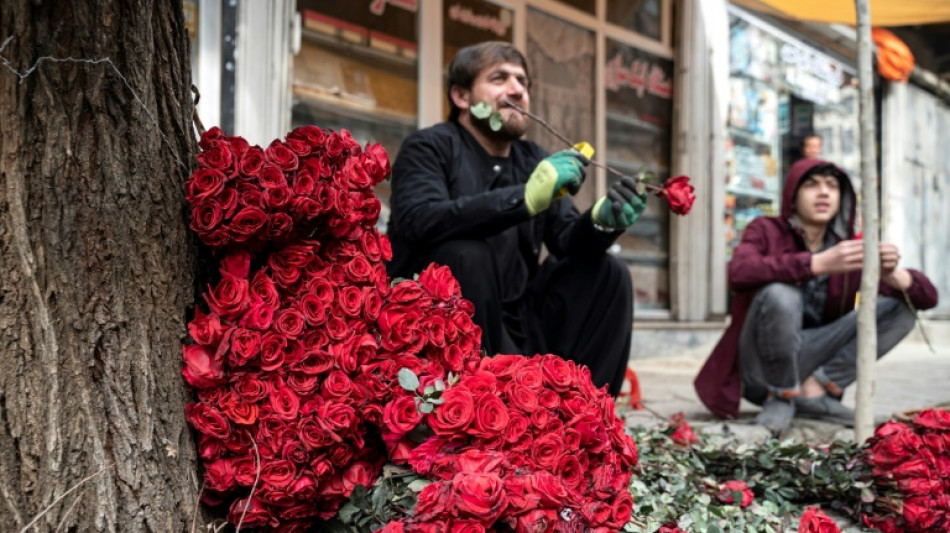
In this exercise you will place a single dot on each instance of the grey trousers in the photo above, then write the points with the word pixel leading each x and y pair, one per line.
pixel 776 354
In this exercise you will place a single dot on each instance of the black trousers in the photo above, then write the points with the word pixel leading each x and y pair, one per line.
pixel 578 308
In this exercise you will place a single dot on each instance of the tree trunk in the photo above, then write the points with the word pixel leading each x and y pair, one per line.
pixel 96 266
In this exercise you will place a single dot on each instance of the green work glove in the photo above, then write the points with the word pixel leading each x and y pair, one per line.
pixel 622 206
pixel 556 174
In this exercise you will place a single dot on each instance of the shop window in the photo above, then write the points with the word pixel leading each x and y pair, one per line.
pixel 639 115
pixel 357 70
pixel 468 22
pixel 641 16
pixel 587 6
pixel 561 60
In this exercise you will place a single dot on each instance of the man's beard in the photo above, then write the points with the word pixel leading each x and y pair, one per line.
pixel 510 130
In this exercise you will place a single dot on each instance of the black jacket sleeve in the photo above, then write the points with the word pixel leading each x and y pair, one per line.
pixel 423 208
pixel 570 233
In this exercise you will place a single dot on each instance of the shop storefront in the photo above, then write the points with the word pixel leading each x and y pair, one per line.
pixel 602 72
pixel 780 91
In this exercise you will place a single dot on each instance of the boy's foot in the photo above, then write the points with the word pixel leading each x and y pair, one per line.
pixel 825 408
pixel 776 415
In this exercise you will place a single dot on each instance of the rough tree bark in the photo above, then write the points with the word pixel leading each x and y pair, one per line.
pixel 96 266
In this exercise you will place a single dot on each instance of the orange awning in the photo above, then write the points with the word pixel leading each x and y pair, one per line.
pixel 883 12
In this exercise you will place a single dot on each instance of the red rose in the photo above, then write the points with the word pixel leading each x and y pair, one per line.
pixel 208 420
pixel 249 388
pixel 920 513
pixel 211 135
pixel 529 376
pixel 570 470
pixel 236 410
pixel 239 146
pixel 393 527
pixel 546 451
pixel 303 183
pixel 280 226
pixel 376 161
pixel 284 402
pixel 276 198
pixel 679 194
pixel 549 488
pixel 517 426
pixel 406 292
pixel 338 417
pixel 278 474
pixel 272 177
pixel 301 383
pixel 372 303
pixel 219 475
pixel 253 512
pixel 247 222
pixel 491 417
pixel 206 216
pixel 338 386
pixel 596 513
pixel 728 490
pixel 272 351
pixel 431 502
pixel 359 473
pixel 245 346
pixel 252 162
pixel 682 432
pixel 205 329
pixel 938 419
pixel 312 135
pixel 455 414
pixel 439 282
pixel 203 184
pixel 289 322
pixel 398 326
pixel 203 369
pixel 356 174
pixel 263 287
pixel 622 509
pixel 259 316
pixel 312 309
pixel 480 496
pixel 281 156
pixel 351 301
pixel 217 156
pixel 670 528
pixel 558 373
pixel 401 415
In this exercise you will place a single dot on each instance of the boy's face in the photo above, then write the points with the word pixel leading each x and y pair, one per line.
pixel 818 199
pixel 494 85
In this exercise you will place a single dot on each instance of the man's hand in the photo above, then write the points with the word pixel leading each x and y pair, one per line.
pixel 846 256
pixel 561 171
pixel 622 206
pixel 891 274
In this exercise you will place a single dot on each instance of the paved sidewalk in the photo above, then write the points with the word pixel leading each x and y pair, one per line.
pixel 910 377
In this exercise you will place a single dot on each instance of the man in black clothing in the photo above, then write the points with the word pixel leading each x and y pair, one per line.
pixel 483 201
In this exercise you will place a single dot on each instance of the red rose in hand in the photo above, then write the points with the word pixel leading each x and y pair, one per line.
pixel 728 490
pixel 679 194
pixel 815 521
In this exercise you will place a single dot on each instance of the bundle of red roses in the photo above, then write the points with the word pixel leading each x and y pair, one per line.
pixel 911 467
pixel 312 181
pixel 559 461
pixel 815 521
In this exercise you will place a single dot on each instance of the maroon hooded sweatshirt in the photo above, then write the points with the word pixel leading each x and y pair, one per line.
pixel 773 250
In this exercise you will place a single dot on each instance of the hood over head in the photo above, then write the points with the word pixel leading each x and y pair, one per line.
pixel 842 225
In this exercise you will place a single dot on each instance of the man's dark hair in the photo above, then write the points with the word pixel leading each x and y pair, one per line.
pixel 471 60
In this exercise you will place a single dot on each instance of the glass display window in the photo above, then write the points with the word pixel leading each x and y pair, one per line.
pixel 358 70
pixel 639 128
pixel 642 16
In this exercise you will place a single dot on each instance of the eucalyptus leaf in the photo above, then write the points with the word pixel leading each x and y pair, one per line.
pixel 495 122
pixel 426 408
pixel 408 379
pixel 481 110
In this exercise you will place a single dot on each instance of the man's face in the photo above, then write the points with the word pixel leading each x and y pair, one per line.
pixel 812 147
pixel 818 199
pixel 494 85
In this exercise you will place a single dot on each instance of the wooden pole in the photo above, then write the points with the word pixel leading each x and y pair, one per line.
pixel 867 323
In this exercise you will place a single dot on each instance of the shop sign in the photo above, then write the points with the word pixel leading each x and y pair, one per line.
pixel 812 75
pixel 378 7
pixel 641 75
pixel 494 24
